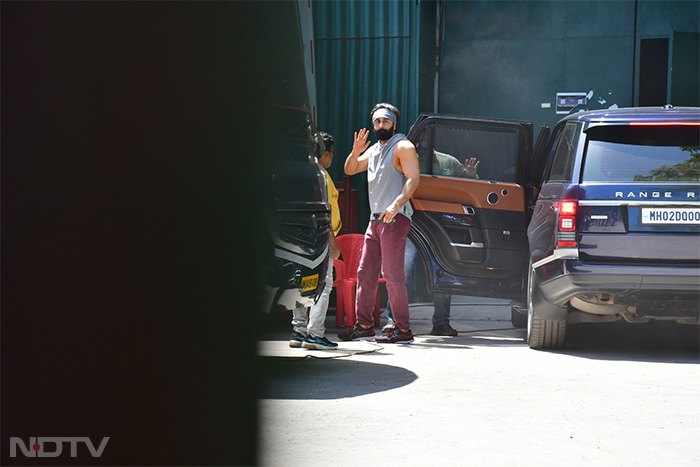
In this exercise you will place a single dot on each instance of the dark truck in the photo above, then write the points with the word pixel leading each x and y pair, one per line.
pixel 298 213
pixel 293 188
pixel 598 222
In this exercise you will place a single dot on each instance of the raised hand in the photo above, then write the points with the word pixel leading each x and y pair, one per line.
pixel 360 142
pixel 470 167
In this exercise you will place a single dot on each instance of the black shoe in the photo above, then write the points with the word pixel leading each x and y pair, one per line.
pixel 443 330
pixel 396 336
pixel 318 343
pixel 296 340
pixel 356 333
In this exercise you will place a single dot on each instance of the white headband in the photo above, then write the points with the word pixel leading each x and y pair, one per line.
pixel 385 113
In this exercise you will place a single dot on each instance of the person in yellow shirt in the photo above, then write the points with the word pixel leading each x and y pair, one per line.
pixel 310 333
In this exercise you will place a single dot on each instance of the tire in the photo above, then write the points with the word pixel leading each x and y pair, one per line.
pixel 543 333
pixel 518 316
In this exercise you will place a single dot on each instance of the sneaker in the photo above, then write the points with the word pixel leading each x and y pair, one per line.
pixel 396 337
pixel 389 326
pixel 356 333
pixel 318 343
pixel 296 340
pixel 443 330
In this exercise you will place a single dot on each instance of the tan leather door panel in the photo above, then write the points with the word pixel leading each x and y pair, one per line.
pixel 455 195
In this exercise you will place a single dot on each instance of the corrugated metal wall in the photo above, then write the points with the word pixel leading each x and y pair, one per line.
pixel 366 52
pixel 510 58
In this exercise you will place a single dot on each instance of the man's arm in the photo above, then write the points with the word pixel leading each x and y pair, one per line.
pixel 335 248
pixel 406 161
pixel 356 161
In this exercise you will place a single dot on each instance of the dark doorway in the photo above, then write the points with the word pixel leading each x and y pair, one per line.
pixel 653 72
pixel 685 69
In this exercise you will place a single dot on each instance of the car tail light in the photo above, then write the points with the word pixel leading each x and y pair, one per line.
pixel 566 224
pixel 664 123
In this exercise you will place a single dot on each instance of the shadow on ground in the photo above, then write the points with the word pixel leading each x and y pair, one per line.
pixel 665 342
pixel 309 378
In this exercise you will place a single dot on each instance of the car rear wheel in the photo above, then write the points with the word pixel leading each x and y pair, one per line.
pixel 542 333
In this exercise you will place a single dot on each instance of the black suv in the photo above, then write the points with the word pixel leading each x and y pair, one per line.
pixel 600 222
pixel 298 213
pixel 294 184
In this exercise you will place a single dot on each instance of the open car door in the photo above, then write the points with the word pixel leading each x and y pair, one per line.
pixel 470 229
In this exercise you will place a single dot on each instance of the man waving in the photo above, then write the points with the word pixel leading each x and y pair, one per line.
pixel 393 175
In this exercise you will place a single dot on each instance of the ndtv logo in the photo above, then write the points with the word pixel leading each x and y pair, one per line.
pixel 37 446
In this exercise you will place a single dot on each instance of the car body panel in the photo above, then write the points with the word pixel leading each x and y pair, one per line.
pixel 472 232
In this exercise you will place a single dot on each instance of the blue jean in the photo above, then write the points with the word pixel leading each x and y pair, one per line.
pixel 441 305
pixel 441 302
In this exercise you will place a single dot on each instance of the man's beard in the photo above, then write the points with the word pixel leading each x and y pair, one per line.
pixel 383 134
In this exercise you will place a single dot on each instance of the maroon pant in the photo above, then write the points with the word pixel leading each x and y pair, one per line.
pixel 383 253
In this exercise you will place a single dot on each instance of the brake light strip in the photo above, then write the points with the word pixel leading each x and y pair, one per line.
pixel 664 123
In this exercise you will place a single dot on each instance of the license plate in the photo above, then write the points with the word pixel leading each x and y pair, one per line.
pixel 671 216
pixel 309 283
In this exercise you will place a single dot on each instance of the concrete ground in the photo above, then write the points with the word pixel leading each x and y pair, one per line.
pixel 618 395
pixel 467 314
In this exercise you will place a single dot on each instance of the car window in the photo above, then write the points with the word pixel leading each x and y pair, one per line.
pixel 623 153
pixel 538 162
pixel 443 149
pixel 564 154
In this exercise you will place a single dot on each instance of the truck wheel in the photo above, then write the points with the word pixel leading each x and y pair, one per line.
pixel 542 333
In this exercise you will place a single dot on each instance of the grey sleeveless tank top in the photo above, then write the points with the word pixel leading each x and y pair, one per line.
pixel 384 181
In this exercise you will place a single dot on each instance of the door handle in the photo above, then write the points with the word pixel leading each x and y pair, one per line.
pixel 468 245
pixel 468 210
